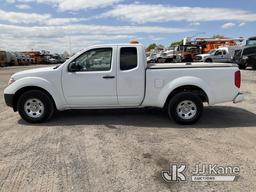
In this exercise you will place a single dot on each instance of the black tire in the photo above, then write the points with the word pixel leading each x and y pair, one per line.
pixel 208 60
pixel 189 60
pixel 48 106
pixel 160 60
pixel 242 66
pixel 175 102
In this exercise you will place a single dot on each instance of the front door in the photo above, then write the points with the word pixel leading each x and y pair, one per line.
pixel 94 81
pixel 218 57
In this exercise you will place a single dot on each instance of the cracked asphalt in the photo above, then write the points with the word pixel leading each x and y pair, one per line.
pixel 125 150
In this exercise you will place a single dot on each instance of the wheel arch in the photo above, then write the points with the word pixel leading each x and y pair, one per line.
pixel 188 83
pixel 208 60
pixel 29 88
pixel 188 88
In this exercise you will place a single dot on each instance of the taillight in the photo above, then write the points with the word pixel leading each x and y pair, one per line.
pixel 238 79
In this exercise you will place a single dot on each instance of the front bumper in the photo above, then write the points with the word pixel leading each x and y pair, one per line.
pixel 238 98
pixel 9 99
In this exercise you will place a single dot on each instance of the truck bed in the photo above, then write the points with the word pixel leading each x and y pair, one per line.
pixel 188 65
pixel 216 79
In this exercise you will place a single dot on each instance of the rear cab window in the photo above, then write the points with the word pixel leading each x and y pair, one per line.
pixel 128 58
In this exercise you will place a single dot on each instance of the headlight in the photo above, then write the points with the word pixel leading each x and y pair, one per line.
pixel 12 80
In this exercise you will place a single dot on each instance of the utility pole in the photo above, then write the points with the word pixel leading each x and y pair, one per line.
pixel 69 44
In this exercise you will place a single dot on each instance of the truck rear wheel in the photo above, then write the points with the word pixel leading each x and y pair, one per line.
pixel 185 108
pixel 35 106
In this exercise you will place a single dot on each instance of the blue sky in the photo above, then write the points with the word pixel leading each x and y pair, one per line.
pixel 56 24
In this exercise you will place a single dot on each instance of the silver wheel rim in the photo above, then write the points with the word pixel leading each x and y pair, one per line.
pixel 186 109
pixel 34 108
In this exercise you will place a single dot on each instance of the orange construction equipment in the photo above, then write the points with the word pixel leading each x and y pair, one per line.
pixel 209 44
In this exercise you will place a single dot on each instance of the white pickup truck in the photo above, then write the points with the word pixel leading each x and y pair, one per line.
pixel 221 55
pixel 118 76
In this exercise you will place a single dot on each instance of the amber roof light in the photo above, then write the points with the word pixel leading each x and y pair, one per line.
pixel 134 41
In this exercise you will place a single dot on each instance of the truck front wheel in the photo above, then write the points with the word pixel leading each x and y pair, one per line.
pixel 35 106
pixel 185 108
pixel 208 60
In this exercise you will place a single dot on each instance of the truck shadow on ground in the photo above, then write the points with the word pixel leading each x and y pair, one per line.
pixel 213 117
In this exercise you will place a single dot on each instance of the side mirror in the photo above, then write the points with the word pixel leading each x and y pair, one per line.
pixel 73 67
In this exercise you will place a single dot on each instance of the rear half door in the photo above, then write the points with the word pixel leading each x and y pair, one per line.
pixel 130 76
pixel 226 56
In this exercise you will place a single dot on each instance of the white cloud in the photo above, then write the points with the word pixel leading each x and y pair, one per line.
pixel 228 25
pixel 242 24
pixel 55 38
pixel 20 17
pixel 155 38
pixel 72 5
pixel 195 24
pixel 62 21
pixel 34 18
pixel 10 1
pixel 23 6
pixel 48 31
pixel 143 13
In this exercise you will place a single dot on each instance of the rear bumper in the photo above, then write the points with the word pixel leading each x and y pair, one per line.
pixel 238 98
pixel 9 99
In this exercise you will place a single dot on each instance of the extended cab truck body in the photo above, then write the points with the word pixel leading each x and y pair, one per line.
pixel 117 76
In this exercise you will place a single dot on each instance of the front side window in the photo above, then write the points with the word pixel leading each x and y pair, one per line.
pixel 218 53
pixel 128 58
pixel 94 60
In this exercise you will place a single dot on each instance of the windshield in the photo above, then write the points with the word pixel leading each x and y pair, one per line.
pixel 251 42
pixel 212 51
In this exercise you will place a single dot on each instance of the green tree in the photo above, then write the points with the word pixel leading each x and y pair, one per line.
pixel 218 36
pixel 151 46
pixel 176 43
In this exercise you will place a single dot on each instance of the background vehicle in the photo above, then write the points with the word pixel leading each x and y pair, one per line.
pixel 152 58
pixel 245 57
pixel 221 55
pixel 187 53
pixel 251 41
pixel 117 76
pixel 209 44
pixel 162 57
pixel 7 59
